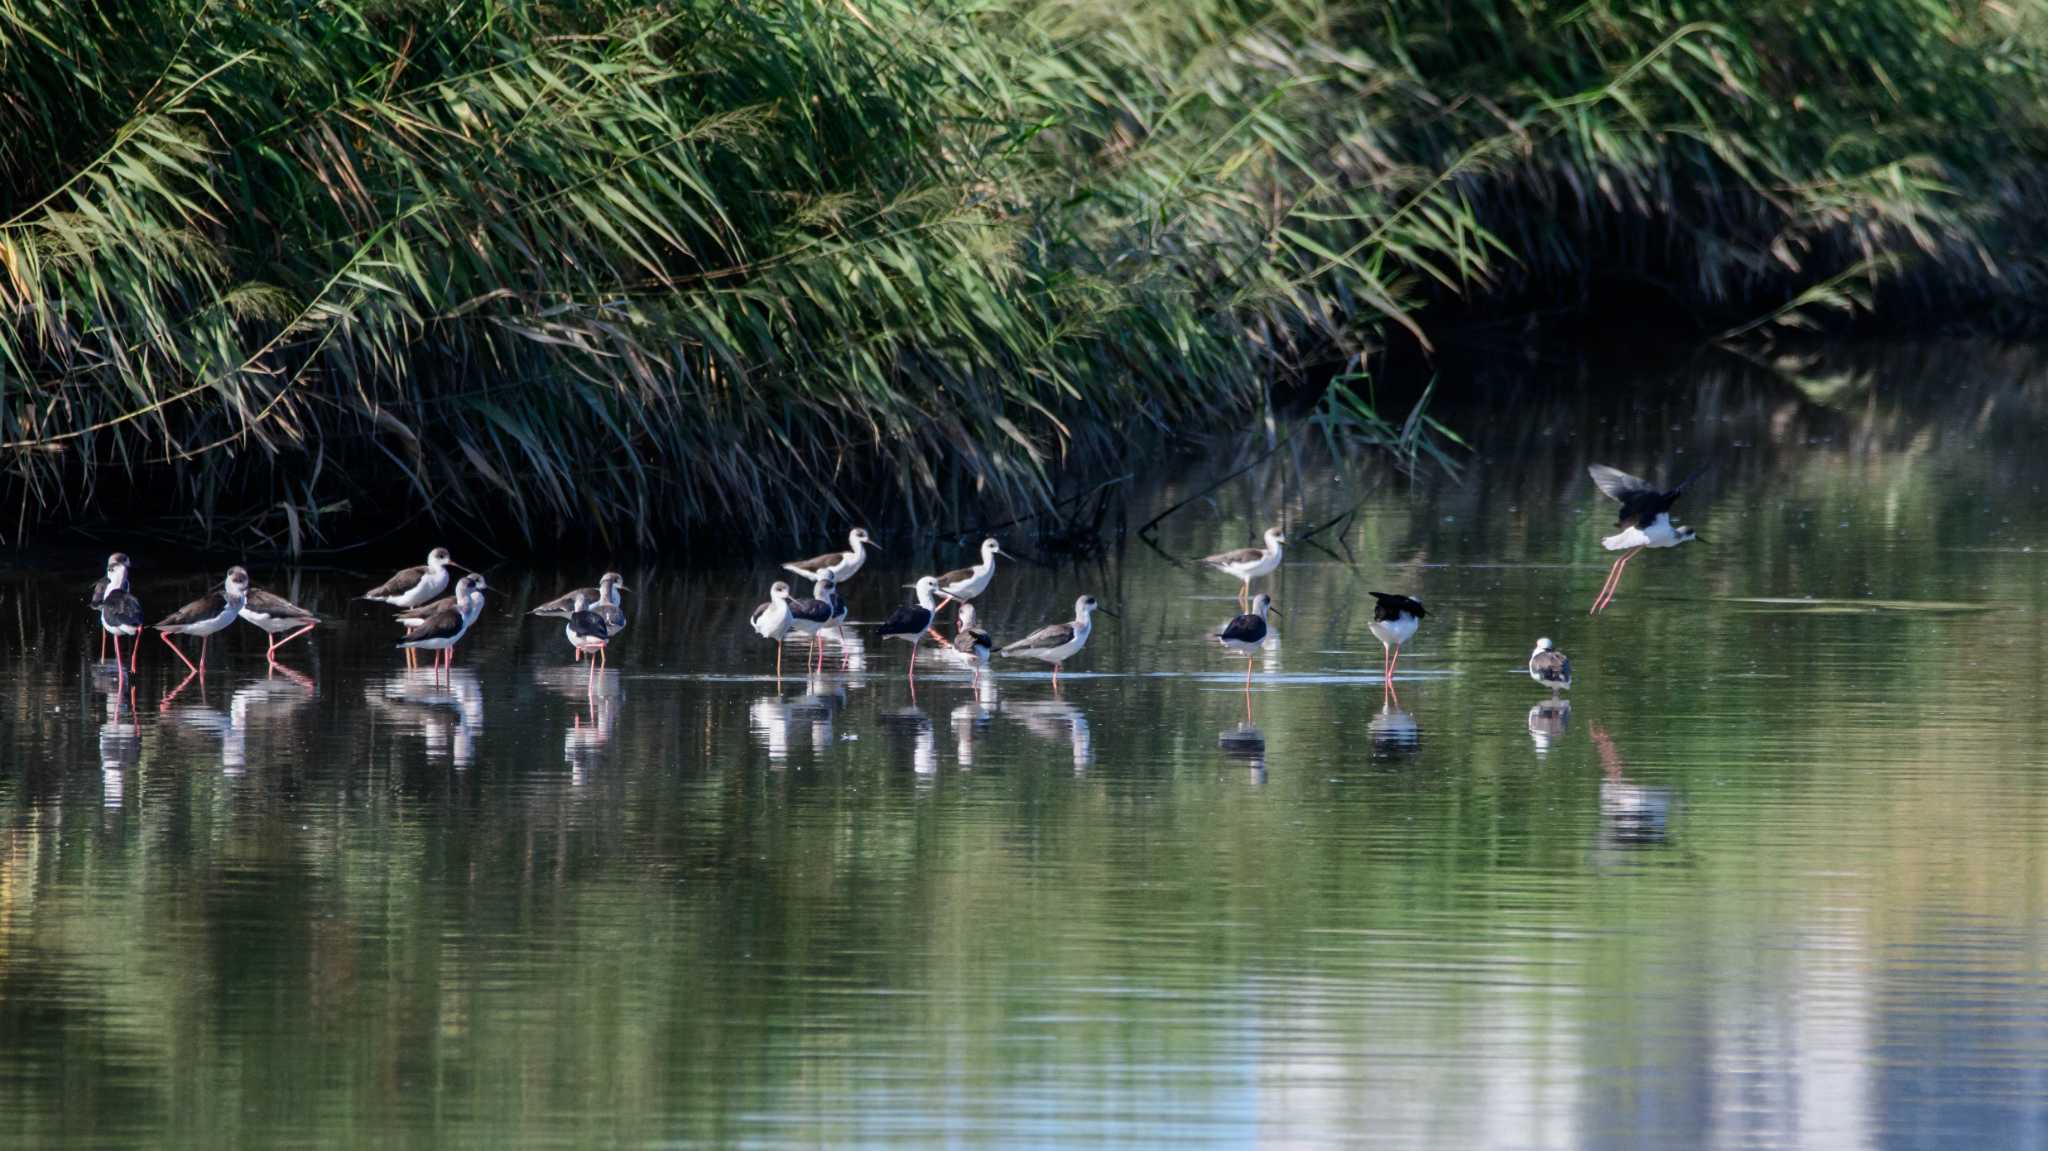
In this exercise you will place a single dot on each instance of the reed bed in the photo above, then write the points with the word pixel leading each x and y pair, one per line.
pixel 630 271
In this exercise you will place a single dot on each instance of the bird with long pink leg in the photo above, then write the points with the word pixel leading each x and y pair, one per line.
pixel 210 613
pixel 1645 521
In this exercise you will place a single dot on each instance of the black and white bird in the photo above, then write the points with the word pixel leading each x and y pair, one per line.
pixel 277 616
pixel 120 612
pixel 414 587
pixel 970 642
pixel 206 615
pixel 1057 643
pixel 1645 521
pixel 966 583
pixel 827 588
pixel 813 614
pixel 842 565
pixel 1246 634
pixel 586 631
pixel 602 601
pixel 442 628
pixel 1549 667
pixel 1248 564
pixel 912 621
pixel 1394 620
pixel 772 620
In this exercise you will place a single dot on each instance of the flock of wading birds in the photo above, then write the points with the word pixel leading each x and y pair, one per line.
pixel 593 616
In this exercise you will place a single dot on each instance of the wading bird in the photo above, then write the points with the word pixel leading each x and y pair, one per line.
pixel 1248 564
pixel 277 615
pixel 1057 643
pixel 441 629
pixel 811 615
pixel 206 615
pixel 1247 633
pixel 601 601
pixel 842 565
pixel 971 642
pixel 586 630
pixel 771 620
pixel 120 612
pixel 912 621
pixel 1549 667
pixel 1645 521
pixel 414 587
pixel 1394 620
pixel 966 583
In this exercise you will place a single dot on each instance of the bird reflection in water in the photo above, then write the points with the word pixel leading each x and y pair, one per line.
pixel 601 694
pixel 924 738
pixel 1059 721
pixel 446 709
pixel 1548 722
pixel 120 741
pixel 1394 732
pixel 1246 744
pixel 1631 815
pixel 974 717
pixel 775 719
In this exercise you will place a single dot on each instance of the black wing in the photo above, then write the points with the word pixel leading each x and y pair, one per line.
pixel 1616 484
pixel 1053 635
pixel 1641 504
pixel 120 609
pixel 588 624
pixel 970 639
pixel 399 584
pixel 812 610
pixel 907 620
pixel 99 593
pixel 1390 607
pixel 1247 628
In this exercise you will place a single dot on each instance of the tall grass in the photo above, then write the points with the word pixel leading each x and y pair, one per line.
pixel 628 270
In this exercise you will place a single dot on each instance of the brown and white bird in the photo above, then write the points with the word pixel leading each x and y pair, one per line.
pixel 1057 643
pixel 206 615
pixel 1248 564
pixel 1645 521
pixel 414 587
pixel 842 565
pixel 440 630
pixel 966 583
pixel 1549 667
pixel 277 616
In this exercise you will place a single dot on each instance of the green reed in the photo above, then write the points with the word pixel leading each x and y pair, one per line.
pixel 626 270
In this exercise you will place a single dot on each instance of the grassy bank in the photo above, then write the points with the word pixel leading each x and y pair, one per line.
pixel 626 270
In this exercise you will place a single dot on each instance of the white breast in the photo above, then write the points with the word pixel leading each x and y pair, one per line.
pixel 1658 535
pixel 1395 632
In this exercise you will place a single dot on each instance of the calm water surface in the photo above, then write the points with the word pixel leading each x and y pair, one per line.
pixel 1777 877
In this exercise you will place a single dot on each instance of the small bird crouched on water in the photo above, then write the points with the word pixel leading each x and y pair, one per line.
pixel 1645 521
pixel 1549 667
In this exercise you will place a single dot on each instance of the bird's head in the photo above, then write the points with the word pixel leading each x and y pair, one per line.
pixel 117 567
pixel 859 536
pixel 237 582
pixel 780 591
pixel 990 549
pixel 1544 644
pixel 439 558
pixel 1686 535
pixel 1275 537
pixel 612 580
pixel 1262 604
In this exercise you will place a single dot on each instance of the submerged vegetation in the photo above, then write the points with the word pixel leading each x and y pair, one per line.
pixel 630 269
